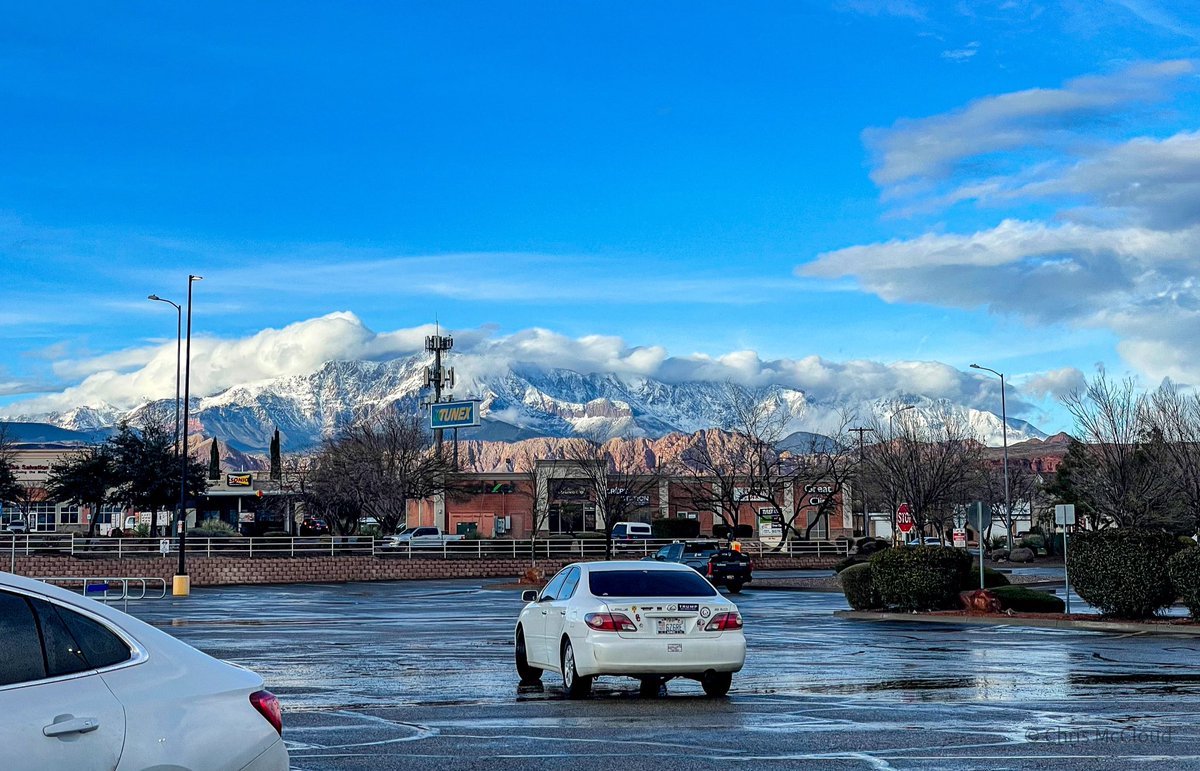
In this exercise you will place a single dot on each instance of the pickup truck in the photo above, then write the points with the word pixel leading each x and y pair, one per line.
pixel 723 567
pixel 418 537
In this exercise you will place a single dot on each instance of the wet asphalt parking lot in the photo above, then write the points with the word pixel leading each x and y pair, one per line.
pixel 420 675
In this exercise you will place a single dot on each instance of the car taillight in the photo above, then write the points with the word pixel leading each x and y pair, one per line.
pixel 609 622
pixel 268 706
pixel 709 571
pixel 723 622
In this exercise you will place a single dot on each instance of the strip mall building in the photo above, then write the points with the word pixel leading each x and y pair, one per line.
pixel 494 504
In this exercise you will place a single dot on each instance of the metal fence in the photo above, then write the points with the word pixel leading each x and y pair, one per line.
pixel 339 546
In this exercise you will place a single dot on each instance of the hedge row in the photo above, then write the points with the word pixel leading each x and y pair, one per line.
pixel 1123 572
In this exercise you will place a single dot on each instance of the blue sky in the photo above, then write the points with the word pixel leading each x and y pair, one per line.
pixel 865 194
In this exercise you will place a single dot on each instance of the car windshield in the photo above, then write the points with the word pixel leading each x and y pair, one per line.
pixel 649 583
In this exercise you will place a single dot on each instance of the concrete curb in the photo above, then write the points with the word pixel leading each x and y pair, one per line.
pixel 1124 627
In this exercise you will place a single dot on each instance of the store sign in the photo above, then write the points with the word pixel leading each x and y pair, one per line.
pixel 453 415
pixel 238 480
pixel 770 523
pixel 567 491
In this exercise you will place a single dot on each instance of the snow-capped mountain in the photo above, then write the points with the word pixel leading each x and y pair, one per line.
pixel 518 402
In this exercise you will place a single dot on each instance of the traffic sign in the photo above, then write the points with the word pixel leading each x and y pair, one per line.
pixel 904 520
pixel 1064 514
pixel 960 538
pixel 980 516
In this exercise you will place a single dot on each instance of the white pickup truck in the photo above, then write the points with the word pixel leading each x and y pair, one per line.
pixel 419 537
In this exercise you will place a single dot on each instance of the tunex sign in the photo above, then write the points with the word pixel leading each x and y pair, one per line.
pixel 453 414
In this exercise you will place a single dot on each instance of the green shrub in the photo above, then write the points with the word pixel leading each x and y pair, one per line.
pixel 1184 569
pixel 858 587
pixel 1186 541
pixel 1123 572
pixel 999 542
pixel 675 528
pixel 848 562
pixel 869 546
pixel 1035 542
pixel 214 528
pixel 919 577
pixel 991 578
pixel 1022 600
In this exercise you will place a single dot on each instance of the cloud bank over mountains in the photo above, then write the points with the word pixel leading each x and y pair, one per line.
pixel 1106 230
pixel 130 378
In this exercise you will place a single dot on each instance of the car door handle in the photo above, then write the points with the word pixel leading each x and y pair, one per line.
pixel 543 612
pixel 79 725
pixel 562 613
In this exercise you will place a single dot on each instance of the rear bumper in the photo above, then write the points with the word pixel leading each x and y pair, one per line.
pixel 274 758
pixel 612 655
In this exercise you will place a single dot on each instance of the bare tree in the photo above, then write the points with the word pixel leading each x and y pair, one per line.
pixel 373 470
pixel 926 462
pixel 822 465
pixel 989 488
pixel 619 485
pixel 1173 422
pixel 1116 470
pixel 723 470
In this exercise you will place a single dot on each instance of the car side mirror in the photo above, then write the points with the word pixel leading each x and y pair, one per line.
pixel 529 595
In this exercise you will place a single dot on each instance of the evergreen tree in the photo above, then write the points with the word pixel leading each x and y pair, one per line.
pixel 214 460
pixel 147 470
pixel 276 457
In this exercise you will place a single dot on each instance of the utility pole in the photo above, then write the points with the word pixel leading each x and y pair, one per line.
pixel 862 488
pixel 437 377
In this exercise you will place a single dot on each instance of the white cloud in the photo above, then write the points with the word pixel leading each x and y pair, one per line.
pixel 218 364
pixel 918 151
pixel 1055 383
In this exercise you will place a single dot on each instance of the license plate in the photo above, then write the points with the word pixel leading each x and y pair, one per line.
pixel 670 626
pixel 674 647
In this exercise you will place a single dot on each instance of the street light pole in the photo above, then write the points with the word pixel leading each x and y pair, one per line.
pixel 182 585
pixel 178 343
pixel 1004 429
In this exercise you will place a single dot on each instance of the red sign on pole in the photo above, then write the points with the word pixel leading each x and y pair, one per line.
pixel 904 520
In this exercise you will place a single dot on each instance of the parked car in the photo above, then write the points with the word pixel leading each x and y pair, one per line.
pixel 17 526
pixel 722 567
pixel 624 532
pixel 646 620
pixel 85 686
pixel 418 537
pixel 314 526
pixel 929 540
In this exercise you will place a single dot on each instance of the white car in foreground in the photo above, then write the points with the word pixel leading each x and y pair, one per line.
pixel 651 621
pixel 84 686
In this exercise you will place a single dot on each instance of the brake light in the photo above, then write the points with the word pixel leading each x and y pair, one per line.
pixel 609 622
pixel 724 622
pixel 268 706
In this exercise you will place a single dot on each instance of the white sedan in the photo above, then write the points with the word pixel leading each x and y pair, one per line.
pixel 84 686
pixel 647 620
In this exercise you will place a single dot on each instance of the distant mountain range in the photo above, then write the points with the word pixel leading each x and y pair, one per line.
pixel 518 403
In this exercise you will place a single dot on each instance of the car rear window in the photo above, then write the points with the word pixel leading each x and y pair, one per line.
pixel 649 583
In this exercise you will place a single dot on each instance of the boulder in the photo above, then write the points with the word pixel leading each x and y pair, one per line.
pixel 1021 554
pixel 536 576
pixel 998 555
pixel 979 601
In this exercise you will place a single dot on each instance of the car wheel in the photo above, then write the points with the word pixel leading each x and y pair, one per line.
pixel 576 685
pixel 734 587
pixel 716 684
pixel 650 687
pixel 527 673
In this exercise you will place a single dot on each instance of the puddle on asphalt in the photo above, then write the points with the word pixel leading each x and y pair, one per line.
pixel 1161 682
pixel 900 684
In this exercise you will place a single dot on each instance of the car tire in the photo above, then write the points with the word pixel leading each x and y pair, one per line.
pixel 576 685
pixel 527 673
pixel 734 587
pixel 716 684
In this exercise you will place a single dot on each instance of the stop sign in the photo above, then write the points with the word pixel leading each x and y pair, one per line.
pixel 904 520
